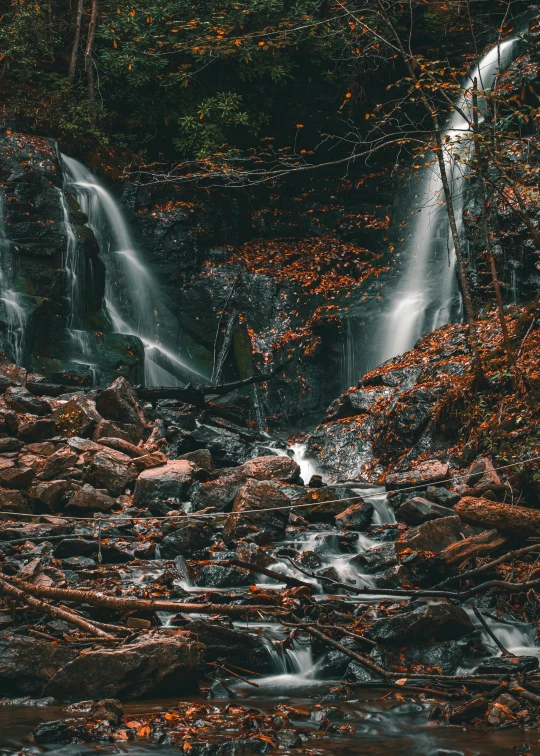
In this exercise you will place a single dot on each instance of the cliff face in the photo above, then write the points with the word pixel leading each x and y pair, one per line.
pixel 52 275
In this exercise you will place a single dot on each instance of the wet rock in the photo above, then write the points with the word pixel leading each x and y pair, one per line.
pixel 126 431
pixel 226 448
pixel 356 673
pixel 316 481
pixel 91 499
pixel 219 576
pixel 27 664
pixel 431 471
pixel 56 465
pixel 417 510
pixel 355 517
pixel 20 399
pixel 482 480
pixel 78 563
pixel 309 560
pixel 376 558
pixel 469 711
pixel 77 417
pixel 119 403
pixel 220 691
pixel 53 733
pixel 436 535
pixel 75 547
pixel 398 576
pixel 51 494
pixel 335 663
pixel 200 458
pixel 430 622
pixel 34 430
pixel 339 499
pixel 289 739
pixel 263 527
pixel 112 470
pixel 10 445
pixel 108 709
pixel 14 501
pixel 442 496
pixel 194 536
pixel 168 481
pixel 508 665
pixel 272 467
pixel 235 646
pixel 159 664
pixel 445 658
pixel 16 477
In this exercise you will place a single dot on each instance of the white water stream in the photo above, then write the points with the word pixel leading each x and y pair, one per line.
pixel 13 313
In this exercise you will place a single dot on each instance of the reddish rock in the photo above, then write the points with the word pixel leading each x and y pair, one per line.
pixel 33 430
pixel 57 464
pixel 265 526
pixel 50 493
pixel 16 477
pixel 169 481
pixel 119 403
pixel 111 470
pixel 77 417
pixel 109 429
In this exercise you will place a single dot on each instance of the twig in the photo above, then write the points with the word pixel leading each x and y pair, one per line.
pixel 490 632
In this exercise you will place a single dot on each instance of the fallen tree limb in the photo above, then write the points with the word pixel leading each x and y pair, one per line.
pixel 25 597
pixel 509 518
pixel 292 581
pixel 489 565
pixel 146 605
pixel 490 632
pixel 474 546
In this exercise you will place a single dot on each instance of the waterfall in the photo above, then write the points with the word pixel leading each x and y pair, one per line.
pixel 132 295
pixel 427 296
pixel 13 313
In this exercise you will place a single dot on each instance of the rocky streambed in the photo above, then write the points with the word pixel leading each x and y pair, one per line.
pixel 154 547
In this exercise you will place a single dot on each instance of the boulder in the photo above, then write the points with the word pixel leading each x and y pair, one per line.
pixel 77 417
pixel 339 499
pixel 482 481
pixel 191 537
pixel 272 467
pixel 160 664
pixel 217 575
pixel 56 465
pixel 430 471
pixel 91 499
pixel 227 448
pixel 507 665
pixel 418 510
pixel 445 657
pixel 235 646
pixel 218 493
pixel 27 664
pixel 50 493
pixel 31 430
pixel 56 732
pixel 10 445
pixel 20 399
pixel 442 496
pixel 75 547
pixel 126 431
pixel 200 458
pixel 112 470
pixel 13 501
pixel 108 710
pixel 430 622
pixel 16 477
pixel 355 517
pixel 264 527
pixel 169 481
pixel 376 559
pixel 436 535
pixel 119 403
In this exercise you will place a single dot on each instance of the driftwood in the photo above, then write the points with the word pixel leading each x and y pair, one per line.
pixel 480 545
pixel 145 605
pixel 508 518
pixel 490 565
pixel 25 597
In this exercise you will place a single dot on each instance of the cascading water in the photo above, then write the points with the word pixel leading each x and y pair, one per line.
pixel 427 297
pixel 133 299
pixel 13 313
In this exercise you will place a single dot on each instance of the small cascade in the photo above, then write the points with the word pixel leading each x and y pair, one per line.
pixel 133 299
pixel 13 313
pixel 427 296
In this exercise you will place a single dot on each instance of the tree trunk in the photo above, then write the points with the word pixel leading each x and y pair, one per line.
pixel 88 64
pixel 225 347
pixel 76 41
pixel 485 228
pixel 509 518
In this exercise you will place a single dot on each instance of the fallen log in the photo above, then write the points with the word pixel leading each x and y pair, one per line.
pixel 490 565
pixel 146 605
pixel 480 545
pixel 25 597
pixel 508 518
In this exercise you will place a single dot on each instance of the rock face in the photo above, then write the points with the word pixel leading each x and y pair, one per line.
pixel 164 665
pixel 435 622
pixel 28 664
